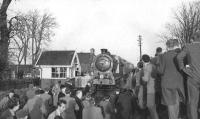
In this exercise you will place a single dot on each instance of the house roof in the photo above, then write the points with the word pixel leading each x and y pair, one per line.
pixel 84 59
pixel 56 58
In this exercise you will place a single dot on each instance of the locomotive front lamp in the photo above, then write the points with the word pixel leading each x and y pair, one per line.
pixel 101 76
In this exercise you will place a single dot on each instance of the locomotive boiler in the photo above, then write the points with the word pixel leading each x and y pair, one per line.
pixel 108 71
pixel 103 74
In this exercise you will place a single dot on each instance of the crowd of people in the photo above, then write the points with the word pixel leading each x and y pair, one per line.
pixel 171 78
pixel 62 102
pixel 166 80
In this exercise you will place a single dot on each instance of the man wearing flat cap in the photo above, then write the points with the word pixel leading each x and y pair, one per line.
pixel 192 53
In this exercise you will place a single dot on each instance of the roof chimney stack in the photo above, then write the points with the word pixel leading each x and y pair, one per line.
pixel 92 51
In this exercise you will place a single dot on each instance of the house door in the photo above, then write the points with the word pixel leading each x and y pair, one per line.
pixel 77 71
pixel 76 66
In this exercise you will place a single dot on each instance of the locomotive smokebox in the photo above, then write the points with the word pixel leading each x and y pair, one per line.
pixel 104 51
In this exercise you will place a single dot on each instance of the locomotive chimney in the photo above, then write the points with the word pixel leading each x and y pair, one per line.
pixel 104 51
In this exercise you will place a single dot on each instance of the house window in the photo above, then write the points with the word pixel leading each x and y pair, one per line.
pixel 58 72
pixel 54 73
pixel 63 72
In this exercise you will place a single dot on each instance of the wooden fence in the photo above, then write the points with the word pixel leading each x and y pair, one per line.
pixel 17 83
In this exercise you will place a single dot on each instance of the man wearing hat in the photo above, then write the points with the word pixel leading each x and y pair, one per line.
pixel 192 54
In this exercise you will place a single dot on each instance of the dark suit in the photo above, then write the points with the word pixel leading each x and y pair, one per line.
pixel 35 108
pixel 70 108
pixel 92 112
pixel 78 112
pixel 171 82
pixel 155 75
pixel 125 105
pixel 192 53
pixel 170 75
pixel 47 100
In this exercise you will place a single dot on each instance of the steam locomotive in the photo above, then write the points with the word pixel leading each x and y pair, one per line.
pixel 109 70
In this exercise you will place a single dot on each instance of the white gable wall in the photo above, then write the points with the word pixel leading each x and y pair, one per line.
pixel 46 72
pixel 77 65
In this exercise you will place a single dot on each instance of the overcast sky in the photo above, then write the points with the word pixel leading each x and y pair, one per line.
pixel 111 24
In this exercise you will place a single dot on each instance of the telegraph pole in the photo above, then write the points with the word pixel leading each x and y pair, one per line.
pixel 140 45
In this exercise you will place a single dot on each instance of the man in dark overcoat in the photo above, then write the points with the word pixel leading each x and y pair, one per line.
pixel 70 106
pixel 78 99
pixel 171 79
pixel 34 108
pixel 125 105
pixel 192 53
pixel 47 100
pixel 158 90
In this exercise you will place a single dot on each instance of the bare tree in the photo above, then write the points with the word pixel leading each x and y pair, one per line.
pixel 4 35
pixel 186 22
pixel 43 30
pixel 19 42
pixel 32 31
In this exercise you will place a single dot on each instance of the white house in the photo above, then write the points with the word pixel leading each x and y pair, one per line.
pixel 58 65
